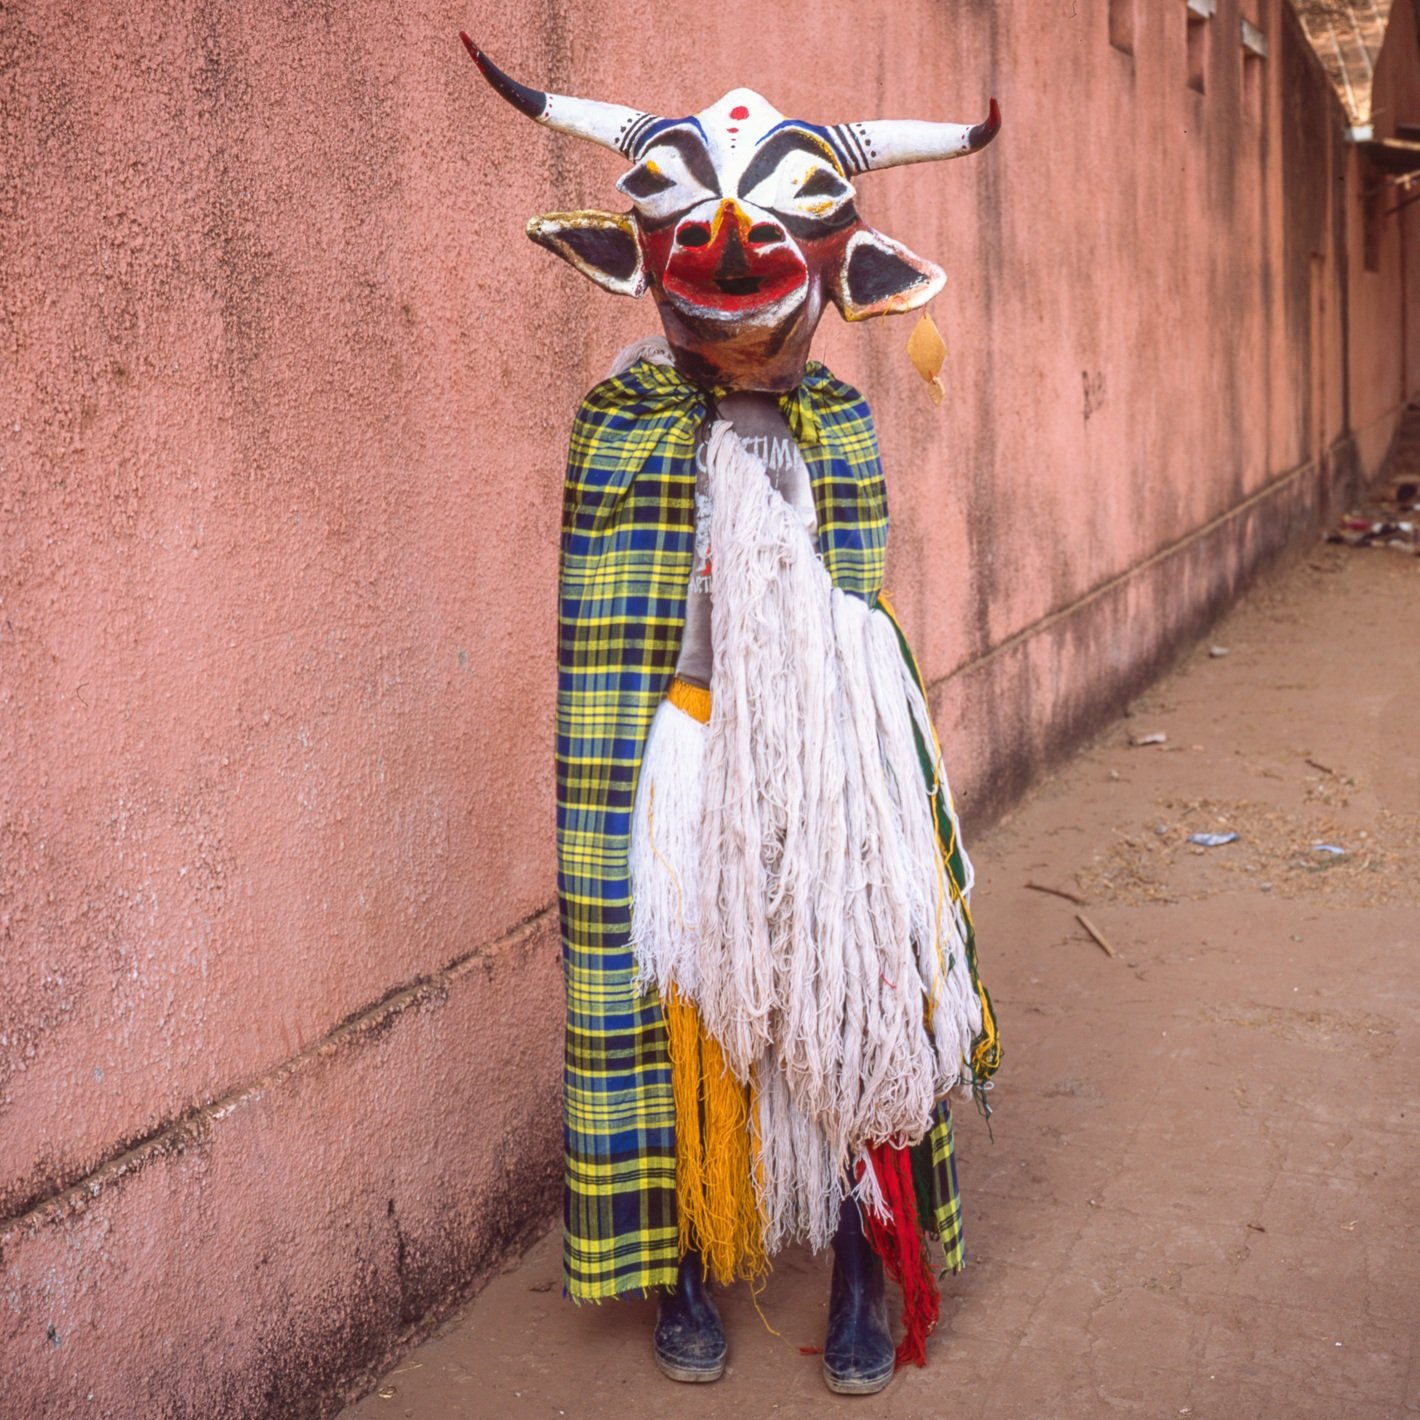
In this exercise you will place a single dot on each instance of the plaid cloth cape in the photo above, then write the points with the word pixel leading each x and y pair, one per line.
pixel 628 534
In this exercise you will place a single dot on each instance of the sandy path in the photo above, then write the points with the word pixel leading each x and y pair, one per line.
pixel 1203 1195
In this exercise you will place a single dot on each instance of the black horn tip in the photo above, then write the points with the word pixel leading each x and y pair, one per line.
pixel 529 101
pixel 982 133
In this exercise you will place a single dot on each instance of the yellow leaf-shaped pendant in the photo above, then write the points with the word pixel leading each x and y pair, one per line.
pixel 927 350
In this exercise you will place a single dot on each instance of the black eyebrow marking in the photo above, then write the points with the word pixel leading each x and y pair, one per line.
pixel 642 182
pixel 785 140
pixel 692 149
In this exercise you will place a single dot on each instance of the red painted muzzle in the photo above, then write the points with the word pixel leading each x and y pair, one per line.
pixel 730 265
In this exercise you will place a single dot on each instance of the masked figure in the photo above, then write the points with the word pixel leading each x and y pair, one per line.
pixel 771 974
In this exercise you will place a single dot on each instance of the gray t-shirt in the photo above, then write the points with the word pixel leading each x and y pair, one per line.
pixel 762 428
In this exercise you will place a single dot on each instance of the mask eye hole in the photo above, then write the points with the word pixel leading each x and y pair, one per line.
pixel 694 234
pixel 764 234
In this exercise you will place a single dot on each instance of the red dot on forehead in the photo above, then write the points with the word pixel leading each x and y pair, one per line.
pixel 740 111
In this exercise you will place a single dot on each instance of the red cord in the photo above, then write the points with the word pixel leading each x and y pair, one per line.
pixel 902 1245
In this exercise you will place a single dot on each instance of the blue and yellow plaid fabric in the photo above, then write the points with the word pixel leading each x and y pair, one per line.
pixel 628 534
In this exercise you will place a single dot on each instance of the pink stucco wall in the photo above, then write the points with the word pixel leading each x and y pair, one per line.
pixel 286 400
pixel 1382 367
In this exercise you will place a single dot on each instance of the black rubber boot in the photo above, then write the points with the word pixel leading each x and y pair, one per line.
pixel 690 1340
pixel 858 1354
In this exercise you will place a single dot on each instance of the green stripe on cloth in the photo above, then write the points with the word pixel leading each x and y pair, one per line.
pixel 986 1047
pixel 628 533
pixel 945 1195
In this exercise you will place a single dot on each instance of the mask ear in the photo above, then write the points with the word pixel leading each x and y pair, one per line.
pixel 602 245
pixel 880 276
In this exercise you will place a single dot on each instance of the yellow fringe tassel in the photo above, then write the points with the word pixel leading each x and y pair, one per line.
pixel 719 1213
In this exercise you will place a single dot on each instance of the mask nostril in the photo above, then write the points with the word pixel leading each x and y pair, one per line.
pixel 694 234
pixel 765 233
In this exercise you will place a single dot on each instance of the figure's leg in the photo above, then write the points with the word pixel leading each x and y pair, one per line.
pixel 690 1340
pixel 858 1354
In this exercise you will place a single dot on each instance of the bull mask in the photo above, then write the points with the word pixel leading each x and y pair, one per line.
pixel 743 222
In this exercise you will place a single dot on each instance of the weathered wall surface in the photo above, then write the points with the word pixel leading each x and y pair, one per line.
pixel 1159 383
pixel 286 396
pixel 1387 366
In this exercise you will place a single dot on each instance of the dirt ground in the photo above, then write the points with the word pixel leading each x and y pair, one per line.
pixel 1201 1197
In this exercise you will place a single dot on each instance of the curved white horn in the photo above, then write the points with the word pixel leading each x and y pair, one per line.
pixel 889 142
pixel 614 126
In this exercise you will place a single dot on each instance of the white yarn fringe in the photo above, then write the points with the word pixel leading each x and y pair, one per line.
pixel 869 1190
pixel 799 1182
pixel 797 894
pixel 666 828
pixel 654 348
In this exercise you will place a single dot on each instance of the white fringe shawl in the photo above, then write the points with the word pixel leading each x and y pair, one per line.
pixel 786 876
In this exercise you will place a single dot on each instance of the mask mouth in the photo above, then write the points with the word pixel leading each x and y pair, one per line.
pixel 750 298
pixel 756 285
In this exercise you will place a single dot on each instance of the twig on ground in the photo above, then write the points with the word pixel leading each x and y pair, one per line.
pixel 1096 934
pixel 1060 892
